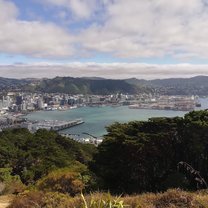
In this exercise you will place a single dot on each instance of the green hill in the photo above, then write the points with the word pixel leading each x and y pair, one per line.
pixel 176 86
pixel 6 83
pixel 95 85
pixel 87 86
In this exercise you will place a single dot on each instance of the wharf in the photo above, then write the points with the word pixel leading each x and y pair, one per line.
pixel 55 125
pixel 87 140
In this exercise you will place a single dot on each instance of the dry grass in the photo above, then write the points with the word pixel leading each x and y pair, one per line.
pixel 170 199
pixel 5 201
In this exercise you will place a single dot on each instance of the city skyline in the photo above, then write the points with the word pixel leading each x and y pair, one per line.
pixel 105 38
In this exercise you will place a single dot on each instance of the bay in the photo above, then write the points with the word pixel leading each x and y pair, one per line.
pixel 97 118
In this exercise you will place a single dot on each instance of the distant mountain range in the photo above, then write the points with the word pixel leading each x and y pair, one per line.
pixel 95 85
pixel 6 83
pixel 176 86
pixel 88 86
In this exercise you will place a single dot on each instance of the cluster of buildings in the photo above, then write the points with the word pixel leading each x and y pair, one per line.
pixel 180 103
pixel 27 102
pixel 12 105
pixel 15 104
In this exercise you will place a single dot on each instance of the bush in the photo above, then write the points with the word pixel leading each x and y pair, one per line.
pixel 32 199
pixel 10 184
pixel 37 199
pixel 174 198
pixel 170 199
pixel 71 180
pixel 63 182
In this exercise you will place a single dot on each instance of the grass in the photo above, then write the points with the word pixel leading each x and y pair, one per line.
pixel 170 199
pixel 101 202
pixel 5 200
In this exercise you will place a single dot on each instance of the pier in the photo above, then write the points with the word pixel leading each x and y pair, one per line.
pixel 54 125
pixel 86 140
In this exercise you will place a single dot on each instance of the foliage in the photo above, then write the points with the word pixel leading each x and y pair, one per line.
pixel 103 203
pixel 174 86
pixel 135 157
pixel 32 156
pixel 63 182
pixel 10 184
pixel 55 199
pixel 170 199
pixel 143 156
pixel 71 180
pixel 33 199
pixel 86 86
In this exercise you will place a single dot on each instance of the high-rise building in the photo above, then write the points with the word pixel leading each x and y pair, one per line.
pixel 19 100
pixel 40 103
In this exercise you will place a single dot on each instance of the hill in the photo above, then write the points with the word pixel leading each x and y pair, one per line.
pixel 96 85
pixel 176 86
pixel 6 83
pixel 87 86
pixel 173 86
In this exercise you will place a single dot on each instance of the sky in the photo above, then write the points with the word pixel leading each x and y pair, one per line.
pixel 116 39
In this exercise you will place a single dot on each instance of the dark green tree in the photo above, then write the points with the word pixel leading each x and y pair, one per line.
pixel 143 156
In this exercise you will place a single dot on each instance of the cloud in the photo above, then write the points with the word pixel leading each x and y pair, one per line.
pixel 121 28
pixel 81 9
pixel 106 70
pixel 32 38
pixel 139 28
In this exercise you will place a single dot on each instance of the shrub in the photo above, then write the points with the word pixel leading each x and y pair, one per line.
pixel 170 199
pixel 10 184
pixel 32 199
pixel 174 198
pixel 63 182
pixel 71 180
pixel 37 199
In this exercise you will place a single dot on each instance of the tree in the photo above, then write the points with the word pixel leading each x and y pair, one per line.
pixel 143 156
pixel 32 156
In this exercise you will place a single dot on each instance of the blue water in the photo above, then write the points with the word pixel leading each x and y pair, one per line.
pixel 97 118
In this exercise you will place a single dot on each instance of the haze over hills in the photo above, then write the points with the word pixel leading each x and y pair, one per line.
pixel 13 83
pixel 96 85
pixel 176 86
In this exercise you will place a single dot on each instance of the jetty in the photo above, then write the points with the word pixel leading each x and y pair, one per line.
pixel 54 125
pixel 87 140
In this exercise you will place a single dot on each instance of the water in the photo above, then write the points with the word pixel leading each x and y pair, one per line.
pixel 97 118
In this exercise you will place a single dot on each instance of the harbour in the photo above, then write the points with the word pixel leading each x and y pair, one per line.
pixel 90 123
pixel 96 119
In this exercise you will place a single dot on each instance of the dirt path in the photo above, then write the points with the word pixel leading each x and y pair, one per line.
pixel 5 201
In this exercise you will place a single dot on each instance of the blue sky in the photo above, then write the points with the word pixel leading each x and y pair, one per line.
pixel 113 32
